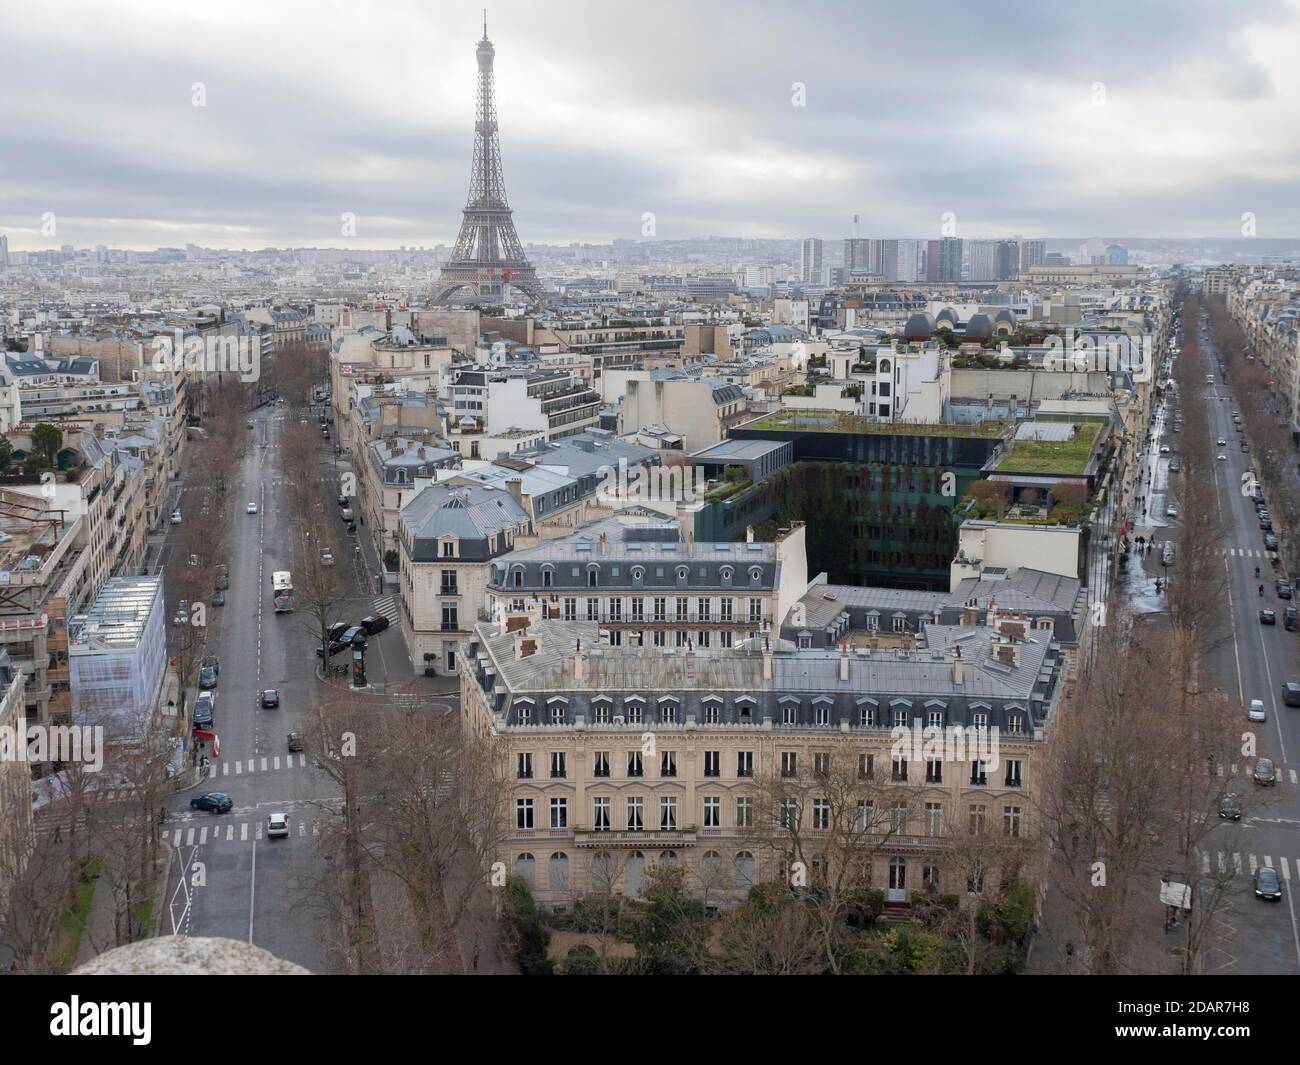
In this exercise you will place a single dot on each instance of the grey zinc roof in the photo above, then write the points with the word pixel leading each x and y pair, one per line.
pixel 469 512
pixel 1028 590
pixel 651 671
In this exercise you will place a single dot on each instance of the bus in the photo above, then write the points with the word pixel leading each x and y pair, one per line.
pixel 282 591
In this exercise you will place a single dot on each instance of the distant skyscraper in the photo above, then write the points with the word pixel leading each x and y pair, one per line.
pixel 4 254
pixel 487 255
pixel 943 259
pixel 855 253
pixel 983 256
pixel 909 261
pixel 1032 253
pixel 810 261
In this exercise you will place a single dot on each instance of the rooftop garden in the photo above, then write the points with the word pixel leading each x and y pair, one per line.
pixel 810 421
pixel 1051 456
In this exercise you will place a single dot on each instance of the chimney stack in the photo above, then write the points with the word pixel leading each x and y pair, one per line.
pixel 749 534
pixel 579 665
pixel 767 659
pixel 957 669
pixel 844 660
pixel 991 618
pixel 515 486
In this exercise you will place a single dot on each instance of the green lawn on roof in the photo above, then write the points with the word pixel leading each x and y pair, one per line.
pixel 1051 456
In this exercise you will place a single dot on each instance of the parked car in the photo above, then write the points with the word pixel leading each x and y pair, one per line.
pixel 218 598
pixel 1264 773
pixel 1289 619
pixel 251 508
pixel 1291 693
pixel 346 514
pixel 182 612
pixel 1270 542
pixel 223 577
pixel 207 678
pixel 1267 885
pixel 277 826
pixel 327 557
pixel 374 623
pixel 1256 711
pixel 204 708
pixel 1245 447
pixel 1221 442
pixel 296 742
pixel 176 517
pixel 1173 466
pixel 1265 522
pixel 1283 587
pixel 1164 449
pixel 271 699
pixel 352 526
pixel 1223 458
pixel 1171 511
pixel 213 661
pixel 217 802
pixel 1267 617
pixel 1230 808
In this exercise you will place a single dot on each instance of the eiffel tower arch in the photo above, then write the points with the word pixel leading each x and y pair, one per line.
pixel 487 256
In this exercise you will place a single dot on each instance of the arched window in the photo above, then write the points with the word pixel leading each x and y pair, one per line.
pixel 548 576
pixel 667 857
pixel 593 575
pixel 635 873
pixel 557 877
pixel 602 872
pixel 755 575
pixel 526 866
pixel 682 574
pixel 711 870
pixel 744 870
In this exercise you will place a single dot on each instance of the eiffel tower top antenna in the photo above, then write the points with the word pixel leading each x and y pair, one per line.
pixel 485 24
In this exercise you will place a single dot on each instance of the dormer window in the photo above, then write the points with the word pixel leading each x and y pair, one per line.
pixel 548 577
pixel 638 574
pixel 755 575
pixel 683 575
pixel 724 575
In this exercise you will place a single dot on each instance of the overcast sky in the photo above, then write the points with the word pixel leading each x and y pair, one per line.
pixel 1109 118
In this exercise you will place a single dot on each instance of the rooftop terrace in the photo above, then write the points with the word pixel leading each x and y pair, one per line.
pixel 814 421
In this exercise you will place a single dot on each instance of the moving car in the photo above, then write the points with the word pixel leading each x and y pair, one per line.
pixel 1291 693
pixel 344 641
pixel 1283 587
pixel 176 517
pixel 1267 617
pixel 1221 442
pixel 250 423
pixel 277 826
pixel 182 612
pixel 252 508
pixel 1223 458
pixel 1256 711
pixel 271 699
pixel 1230 808
pixel 296 742
pixel 218 802
pixel 1267 885
pixel 327 557
pixel 1164 449
pixel 207 678
pixel 374 623
pixel 1264 772
pixel 1171 511
pixel 343 500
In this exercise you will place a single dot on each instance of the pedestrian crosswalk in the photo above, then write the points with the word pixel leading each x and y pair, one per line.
pixel 237 832
pixel 387 605
pixel 268 763
pixel 1285 774
pixel 1240 863
pixel 1244 552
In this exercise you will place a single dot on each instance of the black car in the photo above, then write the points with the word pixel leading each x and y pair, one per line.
pixel 337 629
pixel 213 661
pixel 207 677
pixel 1230 809
pixel 218 598
pixel 1291 693
pixel 215 801
pixel 1283 587
pixel 374 623
pixel 270 699
pixel 296 742
pixel 344 641
pixel 343 500
pixel 1267 885
pixel 1289 618
pixel 1267 617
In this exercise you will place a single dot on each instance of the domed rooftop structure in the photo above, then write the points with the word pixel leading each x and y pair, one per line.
pixel 920 326
pixel 979 327
pixel 948 316
pixel 1006 315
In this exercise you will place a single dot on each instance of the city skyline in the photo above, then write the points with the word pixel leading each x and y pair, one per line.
pixel 300 122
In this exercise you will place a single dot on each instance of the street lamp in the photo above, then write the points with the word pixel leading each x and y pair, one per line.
pixel 359 660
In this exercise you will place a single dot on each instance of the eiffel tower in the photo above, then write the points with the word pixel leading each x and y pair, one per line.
pixel 488 255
